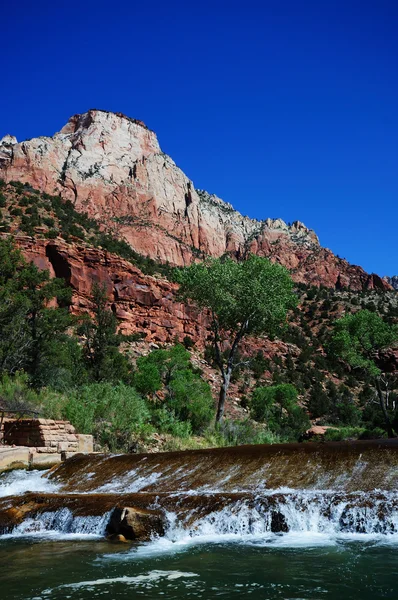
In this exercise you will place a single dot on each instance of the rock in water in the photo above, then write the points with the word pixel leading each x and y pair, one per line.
pixel 136 523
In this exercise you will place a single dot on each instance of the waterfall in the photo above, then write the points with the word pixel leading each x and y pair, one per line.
pixel 329 490
pixel 61 522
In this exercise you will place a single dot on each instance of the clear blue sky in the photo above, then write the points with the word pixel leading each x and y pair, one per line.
pixel 284 108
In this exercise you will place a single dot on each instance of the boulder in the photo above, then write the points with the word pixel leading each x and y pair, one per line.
pixel 136 523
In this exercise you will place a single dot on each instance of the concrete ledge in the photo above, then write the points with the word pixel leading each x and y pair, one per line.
pixel 44 461
pixel 14 458
pixel 23 457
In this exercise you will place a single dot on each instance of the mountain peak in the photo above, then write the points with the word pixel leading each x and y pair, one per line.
pixel 111 167
pixel 99 115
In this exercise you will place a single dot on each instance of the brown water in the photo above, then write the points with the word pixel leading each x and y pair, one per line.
pixel 348 466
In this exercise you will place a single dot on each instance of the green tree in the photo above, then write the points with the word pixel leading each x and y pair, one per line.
pixel 243 298
pixel 358 339
pixel 185 396
pixel 277 406
pixel 34 316
pixel 101 344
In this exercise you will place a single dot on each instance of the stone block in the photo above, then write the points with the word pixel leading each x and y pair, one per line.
pixel 45 460
pixel 85 443
pixel 13 458
pixel 63 446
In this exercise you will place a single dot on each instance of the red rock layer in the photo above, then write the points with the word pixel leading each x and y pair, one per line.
pixel 141 303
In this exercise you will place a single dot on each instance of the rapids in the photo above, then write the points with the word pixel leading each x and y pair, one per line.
pixel 297 496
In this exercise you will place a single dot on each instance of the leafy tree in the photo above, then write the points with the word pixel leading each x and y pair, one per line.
pixel 243 298
pixel 34 317
pixel 318 401
pixel 101 346
pixel 185 395
pixel 277 407
pixel 357 339
pixel 190 398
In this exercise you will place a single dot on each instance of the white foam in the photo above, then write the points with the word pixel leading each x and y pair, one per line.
pixel 20 481
pixel 149 577
pixel 61 524
pixel 130 484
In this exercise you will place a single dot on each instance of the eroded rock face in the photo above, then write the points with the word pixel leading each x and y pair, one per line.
pixel 142 304
pixel 393 281
pixel 112 167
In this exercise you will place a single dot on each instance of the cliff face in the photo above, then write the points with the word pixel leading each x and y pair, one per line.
pixel 112 167
pixel 141 303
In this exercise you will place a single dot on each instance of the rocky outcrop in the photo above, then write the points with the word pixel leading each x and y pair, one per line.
pixel 112 167
pixel 393 281
pixel 142 304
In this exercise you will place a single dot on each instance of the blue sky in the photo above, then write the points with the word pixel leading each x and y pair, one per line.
pixel 283 108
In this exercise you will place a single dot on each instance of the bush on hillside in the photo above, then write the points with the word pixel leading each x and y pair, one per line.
pixel 277 407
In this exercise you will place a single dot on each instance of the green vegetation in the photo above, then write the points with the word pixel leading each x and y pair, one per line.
pixel 321 357
pixel 62 367
pixel 39 214
pixel 33 337
pixel 358 339
pixel 186 397
pixel 243 298
pixel 278 407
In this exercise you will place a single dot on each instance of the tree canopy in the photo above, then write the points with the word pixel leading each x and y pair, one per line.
pixel 243 298
pixel 358 339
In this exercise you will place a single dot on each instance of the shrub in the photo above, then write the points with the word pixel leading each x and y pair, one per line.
pixel 188 342
pixel 191 400
pixel 185 393
pixel 318 402
pixel 166 421
pixel 259 364
pixel 17 396
pixel 112 413
pixel 147 378
pixel 236 433
pixel 49 222
pixel 16 212
pixel 277 406
pixel 343 433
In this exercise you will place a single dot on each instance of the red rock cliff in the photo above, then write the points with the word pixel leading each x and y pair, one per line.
pixel 112 167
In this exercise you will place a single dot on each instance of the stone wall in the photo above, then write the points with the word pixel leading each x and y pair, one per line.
pixel 39 443
pixel 46 435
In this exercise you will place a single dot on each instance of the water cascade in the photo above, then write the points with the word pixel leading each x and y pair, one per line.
pixel 250 492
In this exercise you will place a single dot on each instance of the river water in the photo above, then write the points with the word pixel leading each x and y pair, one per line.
pixel 280 567
pixel 231 532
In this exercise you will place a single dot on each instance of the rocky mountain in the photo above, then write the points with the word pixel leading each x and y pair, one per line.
pixel 393 281
pixel 112 168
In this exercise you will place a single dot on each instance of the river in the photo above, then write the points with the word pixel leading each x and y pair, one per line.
pixel 231 529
